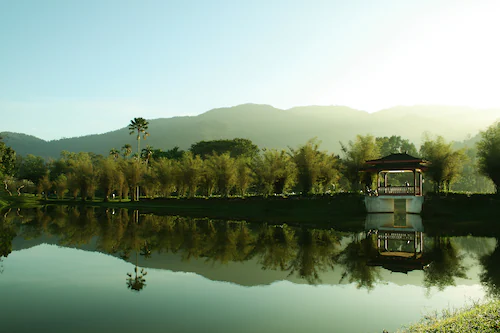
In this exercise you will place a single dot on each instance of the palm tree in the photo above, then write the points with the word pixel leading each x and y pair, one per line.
pixel 127 150
pixel 147 153
pixel 140 125
pixel 137 282
pixel 114 152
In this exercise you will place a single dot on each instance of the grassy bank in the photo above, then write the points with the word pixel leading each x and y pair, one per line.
pixel 452 214
pixel 462 207
pixel 459 214
pixel 484 318
pixel 346 211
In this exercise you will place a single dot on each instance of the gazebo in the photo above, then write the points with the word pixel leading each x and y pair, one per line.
pixel 399 241
pixel 391 196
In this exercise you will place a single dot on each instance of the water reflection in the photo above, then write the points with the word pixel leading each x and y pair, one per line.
pixel 390 242
pixel 490 276
pixel 399 242
pixel 137 281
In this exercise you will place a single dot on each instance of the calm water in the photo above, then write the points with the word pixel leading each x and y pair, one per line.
pixel 83 270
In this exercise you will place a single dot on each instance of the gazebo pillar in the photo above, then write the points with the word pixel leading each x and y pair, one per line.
pixel 414 182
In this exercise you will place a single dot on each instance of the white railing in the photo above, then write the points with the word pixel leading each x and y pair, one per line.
pixel 398 190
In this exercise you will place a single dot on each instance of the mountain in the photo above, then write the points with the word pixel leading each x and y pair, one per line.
pixel 269 127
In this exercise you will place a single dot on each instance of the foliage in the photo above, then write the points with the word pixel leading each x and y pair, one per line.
pixel 489 153
pixel 108 170
pixel 139 125
pixel 356 153
pixel 133 173
pixel 316 169
pixel 394 145
pixel 445 163
pixel 244 175
pixel 171 154
pixel 32 168
pixel 480 318
pixel 235 147
pixel 84 176
pixel 164 169
pixel 7 160
pixel 190 173
pixel 223 169
pixel 274 172
pixel 471 180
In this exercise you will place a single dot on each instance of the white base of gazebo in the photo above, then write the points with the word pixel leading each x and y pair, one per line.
pixel 394 222
pixel 394 203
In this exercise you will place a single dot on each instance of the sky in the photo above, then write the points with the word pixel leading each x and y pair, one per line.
pixel 76 67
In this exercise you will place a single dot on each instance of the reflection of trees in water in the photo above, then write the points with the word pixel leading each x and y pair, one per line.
pixel 316 253
pixel 446 264
pixel 354 259
pixel 304 253
pixel 275 247
pixel 475 247
pixel 7 234
pixel 490 276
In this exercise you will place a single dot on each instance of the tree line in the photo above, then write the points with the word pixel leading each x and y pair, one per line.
pixel 239 167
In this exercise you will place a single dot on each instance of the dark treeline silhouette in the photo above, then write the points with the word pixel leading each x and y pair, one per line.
pixel 300 252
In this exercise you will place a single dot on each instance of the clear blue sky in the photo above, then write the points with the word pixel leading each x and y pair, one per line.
pixel 76 67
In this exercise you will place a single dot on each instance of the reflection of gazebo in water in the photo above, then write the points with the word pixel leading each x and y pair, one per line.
pixel 399 241
pixel 390 197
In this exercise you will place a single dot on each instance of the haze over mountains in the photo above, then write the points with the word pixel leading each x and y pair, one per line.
pixel 269 127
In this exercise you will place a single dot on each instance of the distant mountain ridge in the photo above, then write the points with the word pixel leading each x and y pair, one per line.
pixel 269 127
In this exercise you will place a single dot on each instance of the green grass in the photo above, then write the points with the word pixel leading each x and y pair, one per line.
pixel 23 201
pixel 482 318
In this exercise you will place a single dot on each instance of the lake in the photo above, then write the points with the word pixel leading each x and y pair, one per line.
pixel 77 269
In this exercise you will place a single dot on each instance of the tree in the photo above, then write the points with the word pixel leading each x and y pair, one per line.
pixel 107 176
pixel 115 153
pixel 7 160
pixel 316 169
pixel 133 174
pixel 394 145
pixel 274 172
pixel 127 150
pixel 243 175
pixel 190 173
pixel 83 176
pixel 489 154
pixel 147 153
pixel 445 163
pixel 356 153
pixel 61 185
pixel 235 147
pixel 172 154
pixel 224 170
pixel 164 171
pixel 139 125
pixel 32 168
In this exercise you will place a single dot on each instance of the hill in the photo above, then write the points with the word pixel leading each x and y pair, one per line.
pixel 269 127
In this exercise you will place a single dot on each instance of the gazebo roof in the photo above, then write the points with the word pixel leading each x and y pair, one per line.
pixel 396 158
pixel 398 161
